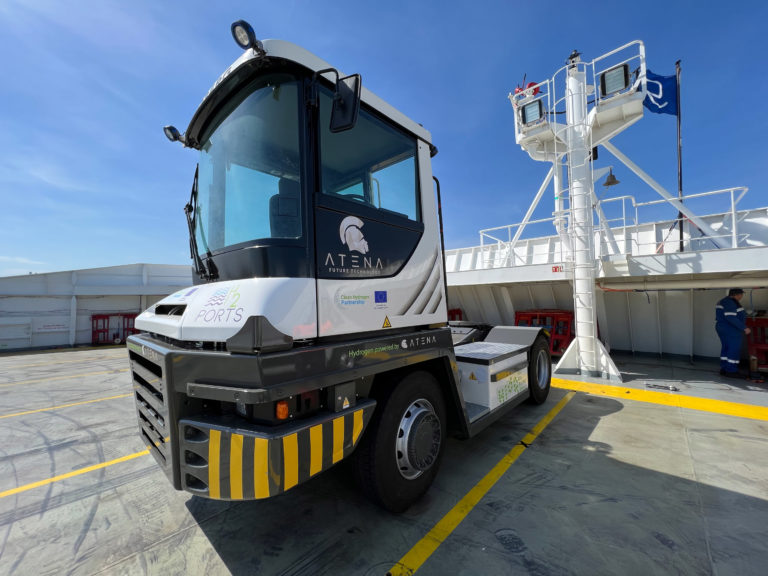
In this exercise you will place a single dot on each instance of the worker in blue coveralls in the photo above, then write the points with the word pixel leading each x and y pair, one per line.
pixel 730 323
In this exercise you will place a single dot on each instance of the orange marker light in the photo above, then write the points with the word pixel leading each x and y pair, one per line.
pixel 281 410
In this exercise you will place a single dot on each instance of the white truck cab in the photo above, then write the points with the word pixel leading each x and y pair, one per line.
pixel 317 325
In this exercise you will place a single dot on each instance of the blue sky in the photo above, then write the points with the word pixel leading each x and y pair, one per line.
pixel 88 179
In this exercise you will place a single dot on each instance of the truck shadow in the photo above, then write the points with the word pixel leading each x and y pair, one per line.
pixel 593 494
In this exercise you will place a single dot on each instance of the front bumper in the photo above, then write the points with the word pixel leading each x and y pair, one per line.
pixel 224 456
pixel 228 463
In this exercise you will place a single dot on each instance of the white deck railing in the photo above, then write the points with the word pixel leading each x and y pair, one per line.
pixel 498 249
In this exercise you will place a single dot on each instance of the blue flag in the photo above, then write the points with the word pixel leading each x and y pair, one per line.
pixel 661 93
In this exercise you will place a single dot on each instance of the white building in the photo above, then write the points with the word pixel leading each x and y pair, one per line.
pixel 58 308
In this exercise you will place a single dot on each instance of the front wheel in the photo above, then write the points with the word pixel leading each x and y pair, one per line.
pixel 400 452
pixel 539 371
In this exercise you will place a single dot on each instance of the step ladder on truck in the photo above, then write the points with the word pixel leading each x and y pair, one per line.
pixel 317 328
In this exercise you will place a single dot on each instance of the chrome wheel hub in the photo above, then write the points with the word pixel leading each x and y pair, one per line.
pixel 418 439
pixel 542 369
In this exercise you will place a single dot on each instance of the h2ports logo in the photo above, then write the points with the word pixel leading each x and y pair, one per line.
pixel 226 297
pixel 222 307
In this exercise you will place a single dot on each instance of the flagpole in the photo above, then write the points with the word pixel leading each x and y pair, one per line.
pixel 679 153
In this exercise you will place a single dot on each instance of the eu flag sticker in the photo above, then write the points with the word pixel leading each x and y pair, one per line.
pixel 380 297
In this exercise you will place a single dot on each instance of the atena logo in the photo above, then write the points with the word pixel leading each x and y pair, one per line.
pixel 418 342
pixel 351 236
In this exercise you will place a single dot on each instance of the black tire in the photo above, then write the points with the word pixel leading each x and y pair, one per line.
pixel 539 371
pixel 400 452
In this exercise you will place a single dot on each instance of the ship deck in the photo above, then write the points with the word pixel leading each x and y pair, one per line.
pixel 601 479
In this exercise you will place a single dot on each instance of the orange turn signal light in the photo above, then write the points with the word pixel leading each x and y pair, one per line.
pixel 281 410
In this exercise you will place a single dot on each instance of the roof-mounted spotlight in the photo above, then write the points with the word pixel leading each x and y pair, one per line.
pixel 245 37
pixel 172 134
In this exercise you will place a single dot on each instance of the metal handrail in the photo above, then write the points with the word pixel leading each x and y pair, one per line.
pixel 731 191
pixel 699 195
pixel 495 259
pixel 627 222
pixel 689 242
pixel 509 228
pixel 591 67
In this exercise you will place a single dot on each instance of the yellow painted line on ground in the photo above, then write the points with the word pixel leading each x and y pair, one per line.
pixel 67 377
pixel 63 406
pixel 52 363
pixel 72 474
pixel 9 353
pixel 425 547
pixel 666 399
pixel 102 347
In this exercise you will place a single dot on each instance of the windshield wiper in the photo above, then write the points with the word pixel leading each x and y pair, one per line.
pixel 205 272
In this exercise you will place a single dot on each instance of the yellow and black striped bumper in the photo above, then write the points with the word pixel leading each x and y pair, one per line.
pixel 227 463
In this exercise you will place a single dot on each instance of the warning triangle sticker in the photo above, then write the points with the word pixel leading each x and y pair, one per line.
pixel 387 324
pixel 472 376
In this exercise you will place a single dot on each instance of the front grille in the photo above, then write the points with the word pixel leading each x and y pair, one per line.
pixel 151 405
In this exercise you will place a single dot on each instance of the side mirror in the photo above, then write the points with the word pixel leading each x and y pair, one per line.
pixel 346 103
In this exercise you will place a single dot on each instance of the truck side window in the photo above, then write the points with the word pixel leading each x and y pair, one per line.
pixel 372 164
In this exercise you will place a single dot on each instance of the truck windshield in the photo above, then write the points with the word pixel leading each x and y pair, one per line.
pixel 249 186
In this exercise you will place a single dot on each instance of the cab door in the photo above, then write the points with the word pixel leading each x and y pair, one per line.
pixel 373 260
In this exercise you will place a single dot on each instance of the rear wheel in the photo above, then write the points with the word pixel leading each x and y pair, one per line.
pixel 539 371
pixel 400 453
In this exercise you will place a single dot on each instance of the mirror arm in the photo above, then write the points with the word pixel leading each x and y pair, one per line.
pixel 313 98
pixel 325 70
pixel 336 95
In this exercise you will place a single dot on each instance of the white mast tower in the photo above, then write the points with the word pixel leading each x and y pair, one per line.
pixel 597 100
pixel 601 98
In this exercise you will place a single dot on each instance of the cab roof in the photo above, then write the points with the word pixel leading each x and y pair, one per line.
pixel 291 52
